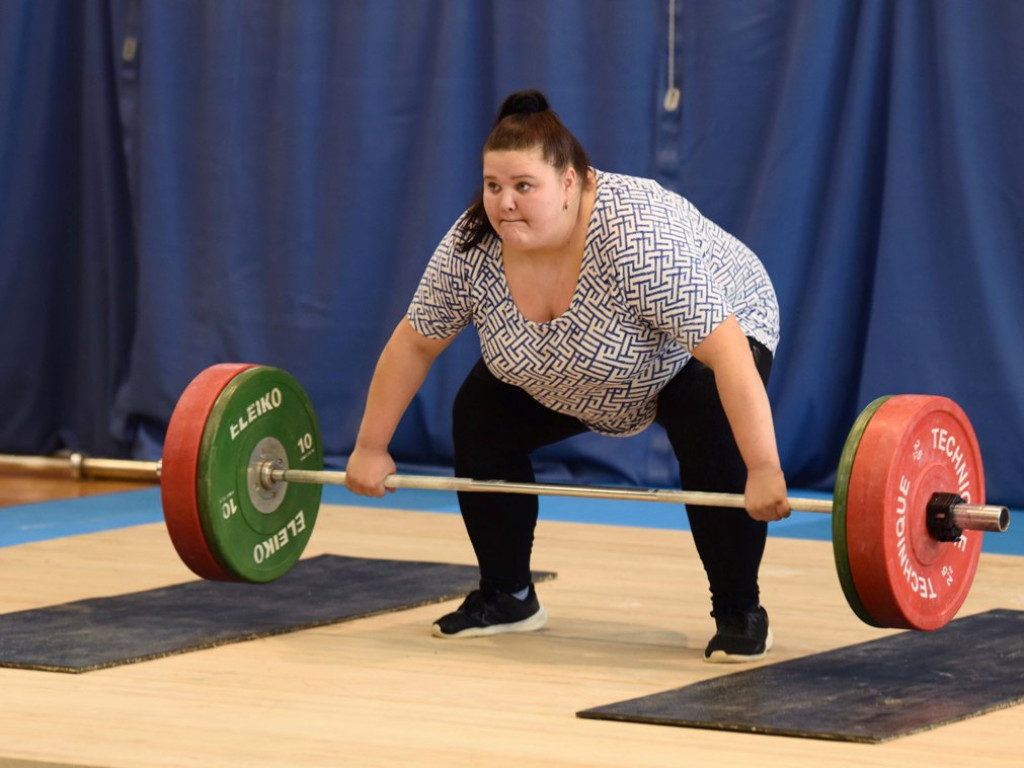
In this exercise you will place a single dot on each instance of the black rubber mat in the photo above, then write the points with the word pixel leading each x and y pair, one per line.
pixel 869 692
pixel 124 629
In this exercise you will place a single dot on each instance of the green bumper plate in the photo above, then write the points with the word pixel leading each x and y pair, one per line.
pixel 258 536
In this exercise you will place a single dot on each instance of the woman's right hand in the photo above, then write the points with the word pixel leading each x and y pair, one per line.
pixel 366 470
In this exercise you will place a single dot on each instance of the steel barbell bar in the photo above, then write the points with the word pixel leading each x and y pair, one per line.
pixel 978 517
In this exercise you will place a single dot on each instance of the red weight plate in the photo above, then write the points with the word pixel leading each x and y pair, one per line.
pixel 914 446
pixel 179 469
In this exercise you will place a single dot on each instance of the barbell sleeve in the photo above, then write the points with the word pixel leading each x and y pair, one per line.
pixel 981 517
pixel 78 466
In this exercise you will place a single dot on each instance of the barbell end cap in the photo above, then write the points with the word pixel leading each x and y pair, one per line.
pixel 1003 519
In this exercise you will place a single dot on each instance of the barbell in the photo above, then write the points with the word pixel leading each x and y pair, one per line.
pixel 242 473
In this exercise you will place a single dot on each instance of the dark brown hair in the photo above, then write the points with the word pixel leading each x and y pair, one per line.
pixel 525 121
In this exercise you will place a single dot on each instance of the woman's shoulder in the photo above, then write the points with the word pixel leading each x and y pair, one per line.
pixel 620 189
pixel 622 182
pixel 638 220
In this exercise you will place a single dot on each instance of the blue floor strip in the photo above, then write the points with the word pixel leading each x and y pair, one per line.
pixel 91 514
pixel 71 517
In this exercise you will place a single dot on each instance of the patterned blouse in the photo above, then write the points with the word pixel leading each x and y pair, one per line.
pixel 656 278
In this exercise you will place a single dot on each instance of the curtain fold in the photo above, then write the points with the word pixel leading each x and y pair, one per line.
pixel 67 278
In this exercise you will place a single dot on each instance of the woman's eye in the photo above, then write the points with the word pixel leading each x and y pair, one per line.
pixel 492 187
pixel 522 186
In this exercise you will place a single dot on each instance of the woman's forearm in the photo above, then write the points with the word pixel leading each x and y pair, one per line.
pixel 746 405
pixel 745 402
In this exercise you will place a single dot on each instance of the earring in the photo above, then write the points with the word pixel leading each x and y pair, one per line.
pixel 565 206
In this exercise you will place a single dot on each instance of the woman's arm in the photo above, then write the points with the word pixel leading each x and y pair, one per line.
pixel 727 352
pixel 400 371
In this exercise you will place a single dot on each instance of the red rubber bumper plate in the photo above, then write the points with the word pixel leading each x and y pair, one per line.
pixel 912 447
pixel 180 468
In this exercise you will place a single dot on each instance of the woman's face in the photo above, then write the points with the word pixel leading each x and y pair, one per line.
pixel 525 198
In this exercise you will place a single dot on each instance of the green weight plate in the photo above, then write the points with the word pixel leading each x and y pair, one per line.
pixel 258 535
pixel 840 549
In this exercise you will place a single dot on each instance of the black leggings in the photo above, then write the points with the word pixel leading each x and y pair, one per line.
pixel 497 426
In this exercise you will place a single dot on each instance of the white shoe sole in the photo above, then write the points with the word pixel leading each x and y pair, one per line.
pixel 721 657
pixel 529 624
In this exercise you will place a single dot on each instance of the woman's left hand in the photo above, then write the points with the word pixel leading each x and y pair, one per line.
pixel 765 497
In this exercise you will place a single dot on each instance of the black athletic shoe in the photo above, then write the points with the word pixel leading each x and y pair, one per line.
pixel 741 636
pixel 489 613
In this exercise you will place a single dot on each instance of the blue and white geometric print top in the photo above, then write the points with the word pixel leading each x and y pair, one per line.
pixel 656 279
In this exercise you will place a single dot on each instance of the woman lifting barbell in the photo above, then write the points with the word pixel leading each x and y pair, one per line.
pixel 603 302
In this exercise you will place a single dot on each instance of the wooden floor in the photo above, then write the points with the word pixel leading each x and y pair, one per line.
pixel 629 617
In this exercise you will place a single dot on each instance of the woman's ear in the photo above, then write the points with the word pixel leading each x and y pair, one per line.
pixel 569 179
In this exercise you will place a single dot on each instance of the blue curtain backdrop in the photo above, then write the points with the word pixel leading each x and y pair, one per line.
pixel 185 183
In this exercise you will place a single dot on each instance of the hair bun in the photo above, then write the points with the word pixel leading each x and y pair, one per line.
pixel 523 103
